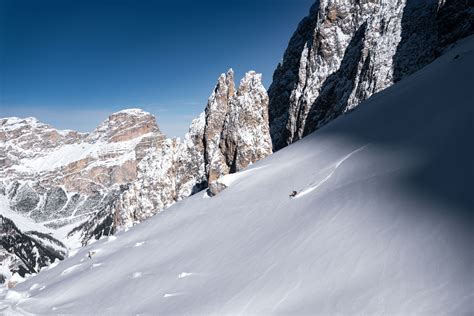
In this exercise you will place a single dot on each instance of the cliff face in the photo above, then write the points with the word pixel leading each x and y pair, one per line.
pixel 236 129
pixel 344 52
pixel 216 112
pixel 246 134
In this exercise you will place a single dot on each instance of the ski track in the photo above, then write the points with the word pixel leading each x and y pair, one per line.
pixel 312 188
pixel 70 269
pixel 166 295
pixel 287 295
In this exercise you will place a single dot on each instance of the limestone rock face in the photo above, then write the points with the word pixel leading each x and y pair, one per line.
pixel 65 181
pixel 246 134
pixel 216 187
pixel 345 51
pixel 124 126
pixel 216 113
pixel 236 130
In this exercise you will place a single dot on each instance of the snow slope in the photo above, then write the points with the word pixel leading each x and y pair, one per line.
pixel 26 224
pixel 68 154
pixel 382 224
pixel 22 222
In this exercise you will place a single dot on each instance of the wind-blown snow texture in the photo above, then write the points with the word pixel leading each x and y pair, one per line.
pixel 382 224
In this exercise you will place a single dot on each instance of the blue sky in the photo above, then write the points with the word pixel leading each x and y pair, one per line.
pixel 72 63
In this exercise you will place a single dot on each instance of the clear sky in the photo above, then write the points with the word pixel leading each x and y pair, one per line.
pixel 71 63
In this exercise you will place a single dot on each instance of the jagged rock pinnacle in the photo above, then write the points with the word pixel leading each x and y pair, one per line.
pixel 236 129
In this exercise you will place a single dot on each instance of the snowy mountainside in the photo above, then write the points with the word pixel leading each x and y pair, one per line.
pixel 81 186
pixel 382 223
pixel 59 179
pixel 26 252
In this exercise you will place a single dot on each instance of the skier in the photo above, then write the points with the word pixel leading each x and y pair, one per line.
pixel 293 194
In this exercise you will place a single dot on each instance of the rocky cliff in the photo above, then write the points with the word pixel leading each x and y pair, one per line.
pixel 345 51
pixel 236 129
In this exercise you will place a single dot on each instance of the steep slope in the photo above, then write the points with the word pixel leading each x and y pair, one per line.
pixel 345 51
pixel 382 223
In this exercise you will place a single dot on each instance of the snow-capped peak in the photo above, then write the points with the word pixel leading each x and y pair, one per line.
pixel 125 125
pixel 132 111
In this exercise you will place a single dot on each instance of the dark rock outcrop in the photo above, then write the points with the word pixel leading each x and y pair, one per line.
pixel 28 251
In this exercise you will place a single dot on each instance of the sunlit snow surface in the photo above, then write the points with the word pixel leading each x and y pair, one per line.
pixel 75 152
pixel 382 224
